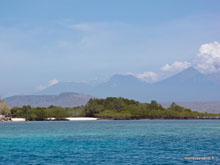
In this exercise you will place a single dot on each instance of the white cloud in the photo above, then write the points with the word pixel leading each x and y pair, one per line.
pixel 50 83
pixel 81 27
pixel 208 58
pixel 146 76
pixel 206 61
pixel 53 82
pixel 177 66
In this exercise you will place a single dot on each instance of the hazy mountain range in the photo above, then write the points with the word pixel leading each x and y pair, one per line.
pixel 67 99
pixel 187 86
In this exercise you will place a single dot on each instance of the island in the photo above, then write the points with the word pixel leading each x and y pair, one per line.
pixel 110 108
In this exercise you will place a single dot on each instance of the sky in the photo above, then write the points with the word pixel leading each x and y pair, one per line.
pixel 44 42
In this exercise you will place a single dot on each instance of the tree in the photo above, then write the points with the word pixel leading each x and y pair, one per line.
pixel 154 105
pixel 93 106
pixel 4 109
pixel 176 107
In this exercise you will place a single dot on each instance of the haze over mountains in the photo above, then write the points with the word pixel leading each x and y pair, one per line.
pixel 188 85
pixel 67 99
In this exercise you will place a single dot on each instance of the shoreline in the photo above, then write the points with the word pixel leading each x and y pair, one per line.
pixel 100 119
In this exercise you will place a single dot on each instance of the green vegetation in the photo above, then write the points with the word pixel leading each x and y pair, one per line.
pixel 42 113
pixel 120 108
pixel 4 109
pixel 110 108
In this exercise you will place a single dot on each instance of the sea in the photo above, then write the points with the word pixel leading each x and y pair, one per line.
pixel 109 142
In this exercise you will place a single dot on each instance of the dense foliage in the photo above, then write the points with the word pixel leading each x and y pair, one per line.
pixel 42 113
pixel 120 108
pixel 4 109
pixel 110 108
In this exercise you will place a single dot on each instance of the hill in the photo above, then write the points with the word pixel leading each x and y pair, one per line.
pixel 67 99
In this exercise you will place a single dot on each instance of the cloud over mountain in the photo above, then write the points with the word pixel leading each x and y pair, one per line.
pixel 207 61
pixel 50 83
pixel 148 76
pixel 177 66
pixel 145 76
pixel 208 58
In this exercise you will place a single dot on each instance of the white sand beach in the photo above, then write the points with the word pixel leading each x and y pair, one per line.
pixel 18 119
pixel 81 118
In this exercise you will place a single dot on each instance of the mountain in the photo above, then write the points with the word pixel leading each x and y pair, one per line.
pixel 189 77
pixel 67 99
pixel 189 88
pixel 118 85
pixel 215 78
pixel 119 80
pixel 66 87
pixel 188 85
pixel 121 86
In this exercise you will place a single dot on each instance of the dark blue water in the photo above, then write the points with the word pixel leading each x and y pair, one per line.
pixel 110 142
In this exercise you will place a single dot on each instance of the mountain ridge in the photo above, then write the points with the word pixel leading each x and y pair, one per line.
pixel 187 86
pixel 66 99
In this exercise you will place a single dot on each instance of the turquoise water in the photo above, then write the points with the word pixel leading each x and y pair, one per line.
pixel 110 142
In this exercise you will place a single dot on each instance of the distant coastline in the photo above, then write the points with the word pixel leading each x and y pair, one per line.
pixel 111 108
pixel 103 119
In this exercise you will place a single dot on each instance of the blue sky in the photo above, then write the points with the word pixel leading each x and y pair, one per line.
pixel 68 40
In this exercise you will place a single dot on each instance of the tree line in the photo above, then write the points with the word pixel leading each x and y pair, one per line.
pixel 121 108
pixel 109 108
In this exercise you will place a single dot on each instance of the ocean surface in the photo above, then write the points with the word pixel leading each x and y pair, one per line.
pixel 110 142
